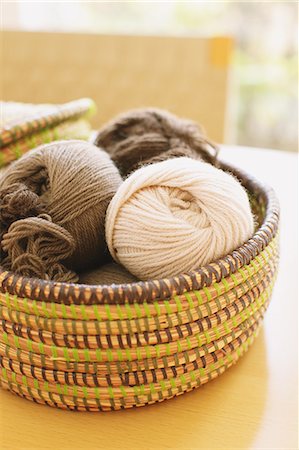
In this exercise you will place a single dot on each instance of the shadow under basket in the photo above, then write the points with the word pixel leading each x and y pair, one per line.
pixel 105 348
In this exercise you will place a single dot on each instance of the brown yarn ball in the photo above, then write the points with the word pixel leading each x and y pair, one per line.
pixel 53 204
pixel 17 201
pixel 142 136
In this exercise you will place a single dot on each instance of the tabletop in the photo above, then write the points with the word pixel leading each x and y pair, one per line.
pixel 251 406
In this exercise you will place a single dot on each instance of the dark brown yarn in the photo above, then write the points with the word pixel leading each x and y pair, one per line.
pixel 18 202
pixel 148 135
pixel 32 246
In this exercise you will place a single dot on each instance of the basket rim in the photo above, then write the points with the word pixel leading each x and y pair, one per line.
pixel 51 115
pixel 159 289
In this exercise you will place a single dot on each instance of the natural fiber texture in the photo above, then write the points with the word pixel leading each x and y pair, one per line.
pixel 75 129
pixel 53 203
pixel 102 348
pixel 149 135
pixel 175 216
pixel 25 126
pixel 108 274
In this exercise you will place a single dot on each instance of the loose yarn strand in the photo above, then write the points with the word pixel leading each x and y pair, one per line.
pixel 53 204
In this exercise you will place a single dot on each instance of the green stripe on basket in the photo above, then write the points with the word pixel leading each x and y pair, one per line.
pixel 53 310
pixel 64 311
pixel 41 348
pixel 207 292
pixel 158 350
pixel 35 383
pixel 96 312
pixel 7 299
pixel 27 309
pixel 87 355
pixel 207 336
pixel 128 354
pixel 168 349
pixel 139 390
pixel 83 312
pixel 73 312
pixel 34 307
pixel 129 309
pixel 44 308
pixel 189 299
pixel 218 288
pixel 147 310
pixel 4 373
pixel 147 352
pixel 217 332
pixel 168 308
pixel 108 312
pixel 75 391
pixel 16 302
pixel 157 308
pixel 189 345
pixel 110 390
pixel 16 341
pixel 225 284
pixel 253 262
pixel 71 354
pixel 199 340
pixel 99 355
pixel 242 272
pixel 226 327
pixel 85 392
pixel 119 312
pixel 76 355
pixel 198 296
pixel 123 391
pixel 65 351
pixel 234 321
pixel 152 388
pixel 54 351
pixel 178 303
pixel 179 347
pixel 234 278
pixel 138 353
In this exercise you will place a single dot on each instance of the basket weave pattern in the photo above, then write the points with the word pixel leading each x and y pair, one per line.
pixel 112 347
pixel 25 126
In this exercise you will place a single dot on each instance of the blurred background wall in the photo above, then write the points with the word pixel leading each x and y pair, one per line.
pixel 263 99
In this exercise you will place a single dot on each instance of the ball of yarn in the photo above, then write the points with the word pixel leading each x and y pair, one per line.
pixel 53 203
pixel 148 135
pixel 175 216
pixel 17 202
pixel 111 273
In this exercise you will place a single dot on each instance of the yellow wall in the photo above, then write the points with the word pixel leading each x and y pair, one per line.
pixel 188 76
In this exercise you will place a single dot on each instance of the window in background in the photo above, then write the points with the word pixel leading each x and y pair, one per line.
pixel 264 101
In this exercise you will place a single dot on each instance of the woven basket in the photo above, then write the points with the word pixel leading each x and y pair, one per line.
pixel 112 347
pixel 24 126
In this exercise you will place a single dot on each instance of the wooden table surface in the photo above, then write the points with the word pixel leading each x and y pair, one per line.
pixel 251 406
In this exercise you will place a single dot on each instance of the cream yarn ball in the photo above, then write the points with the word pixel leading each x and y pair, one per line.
pixel 175 216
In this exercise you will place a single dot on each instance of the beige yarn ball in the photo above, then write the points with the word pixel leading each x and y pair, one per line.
pixel 175 216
